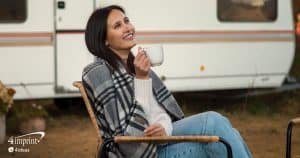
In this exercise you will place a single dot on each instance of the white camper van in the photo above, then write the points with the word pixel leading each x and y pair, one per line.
pixel 208 44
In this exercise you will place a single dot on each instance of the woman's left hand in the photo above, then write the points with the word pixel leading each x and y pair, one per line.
pixel 155 129
pixel 141 65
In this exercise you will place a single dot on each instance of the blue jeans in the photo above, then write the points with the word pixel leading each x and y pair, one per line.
pixel 207 123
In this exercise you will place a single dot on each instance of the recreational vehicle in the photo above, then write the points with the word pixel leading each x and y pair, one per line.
pixel 208 44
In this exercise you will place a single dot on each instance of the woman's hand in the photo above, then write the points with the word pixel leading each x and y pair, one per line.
pixel 141 65
pixel 155 129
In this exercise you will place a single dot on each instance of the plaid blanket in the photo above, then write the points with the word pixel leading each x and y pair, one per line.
pixel 111 92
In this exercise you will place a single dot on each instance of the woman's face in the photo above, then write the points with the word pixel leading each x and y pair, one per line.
pixel 120 32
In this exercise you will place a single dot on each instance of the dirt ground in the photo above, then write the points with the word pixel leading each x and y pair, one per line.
pixel 74 136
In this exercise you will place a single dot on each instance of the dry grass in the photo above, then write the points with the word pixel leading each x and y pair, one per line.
pixel 262 121
pixel 74 136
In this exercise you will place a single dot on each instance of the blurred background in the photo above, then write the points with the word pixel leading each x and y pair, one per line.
pixel 40 60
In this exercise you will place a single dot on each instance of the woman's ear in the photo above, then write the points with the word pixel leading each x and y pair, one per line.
pixel 106 43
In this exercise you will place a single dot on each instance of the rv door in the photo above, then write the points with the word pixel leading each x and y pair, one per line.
pixel 71 52
pixel 26 47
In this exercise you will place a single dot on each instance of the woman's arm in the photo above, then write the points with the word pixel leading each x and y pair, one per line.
pixel 159 119
pixel 143 92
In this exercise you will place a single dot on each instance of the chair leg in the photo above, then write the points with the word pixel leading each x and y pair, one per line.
pixel 104 147
pixel 289 139
pixel 228 147
pixel 98 152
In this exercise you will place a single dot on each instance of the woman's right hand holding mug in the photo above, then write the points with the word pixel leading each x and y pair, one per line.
pixel 141 65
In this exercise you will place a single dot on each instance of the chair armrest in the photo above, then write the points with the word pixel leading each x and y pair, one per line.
pixel 162 139
pixel 77 84
pixel 296 120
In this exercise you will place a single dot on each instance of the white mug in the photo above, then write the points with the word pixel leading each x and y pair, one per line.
pixel 154 52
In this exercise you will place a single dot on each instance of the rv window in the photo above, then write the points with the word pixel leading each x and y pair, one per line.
pixel 13 11
pixel 247 10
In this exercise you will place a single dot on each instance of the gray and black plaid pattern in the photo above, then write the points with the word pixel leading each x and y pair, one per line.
pixel 111 93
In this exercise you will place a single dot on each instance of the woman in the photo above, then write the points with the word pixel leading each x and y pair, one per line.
pixel 129 99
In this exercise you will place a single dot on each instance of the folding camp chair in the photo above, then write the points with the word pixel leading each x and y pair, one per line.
pixel 292 122
pixel 129 139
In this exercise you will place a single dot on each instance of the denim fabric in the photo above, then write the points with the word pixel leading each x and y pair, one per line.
pixel 207 123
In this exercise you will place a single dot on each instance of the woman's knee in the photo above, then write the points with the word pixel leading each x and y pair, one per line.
pixel 215 119
pixel 215 116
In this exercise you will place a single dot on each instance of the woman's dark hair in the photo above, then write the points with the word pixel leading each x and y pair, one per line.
pixel 95 36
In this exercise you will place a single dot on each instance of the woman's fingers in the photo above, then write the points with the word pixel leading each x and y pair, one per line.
pixel 155 130
pixel 146 63
pixel 150 128
pixel 140 58
pixel 141 64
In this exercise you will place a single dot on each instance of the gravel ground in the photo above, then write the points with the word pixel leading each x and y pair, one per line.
pixel 74 136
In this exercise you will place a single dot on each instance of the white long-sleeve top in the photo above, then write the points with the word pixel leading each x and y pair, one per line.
pixel 154 112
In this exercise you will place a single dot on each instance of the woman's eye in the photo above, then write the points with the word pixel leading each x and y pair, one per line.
pixel 126 20
pixel 117 26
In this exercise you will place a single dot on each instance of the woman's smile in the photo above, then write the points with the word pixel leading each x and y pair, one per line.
pixel 120 33
pixel 129 36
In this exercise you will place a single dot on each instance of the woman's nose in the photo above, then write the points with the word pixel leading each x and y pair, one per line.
pixel 128 27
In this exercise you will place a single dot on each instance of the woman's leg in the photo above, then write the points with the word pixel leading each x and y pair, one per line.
pixel 245 145
pixel 208 123
pixel 193 125
pixel 182 150
pixel 220 126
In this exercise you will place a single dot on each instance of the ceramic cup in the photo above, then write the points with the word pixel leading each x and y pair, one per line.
pixel 154 52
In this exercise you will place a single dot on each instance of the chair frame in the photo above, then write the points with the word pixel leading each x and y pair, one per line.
pixel 291 124
pixel 130 139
